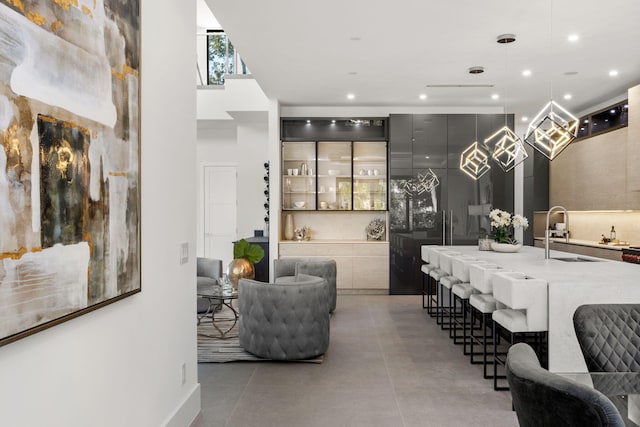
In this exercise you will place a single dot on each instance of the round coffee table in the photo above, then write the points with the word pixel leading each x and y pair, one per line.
pixel 217 297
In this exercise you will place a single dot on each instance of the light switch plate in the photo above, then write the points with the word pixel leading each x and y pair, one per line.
pixel 184 253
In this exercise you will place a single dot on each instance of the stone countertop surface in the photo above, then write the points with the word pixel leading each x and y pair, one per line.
pixel 571 284
pixel 590 243
pixel 530 260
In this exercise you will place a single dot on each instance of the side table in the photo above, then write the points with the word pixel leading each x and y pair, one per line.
pixel 218 297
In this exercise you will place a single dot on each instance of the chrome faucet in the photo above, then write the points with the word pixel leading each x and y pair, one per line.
pixel 547 232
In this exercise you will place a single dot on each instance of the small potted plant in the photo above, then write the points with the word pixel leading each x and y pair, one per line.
pixel 245 255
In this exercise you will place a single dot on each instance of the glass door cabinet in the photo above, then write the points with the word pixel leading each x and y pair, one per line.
pixel 334 175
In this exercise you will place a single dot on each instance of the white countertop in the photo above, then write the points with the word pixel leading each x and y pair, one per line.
pixel 571 284
pixel 590 243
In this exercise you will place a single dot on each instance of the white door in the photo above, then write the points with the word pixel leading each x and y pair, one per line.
pixel 220 224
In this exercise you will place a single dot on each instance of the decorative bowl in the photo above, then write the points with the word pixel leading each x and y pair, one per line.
pixel 333 172
pixel 505 247
pixel 299 204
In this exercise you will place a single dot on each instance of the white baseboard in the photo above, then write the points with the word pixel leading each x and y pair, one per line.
pixel 188 410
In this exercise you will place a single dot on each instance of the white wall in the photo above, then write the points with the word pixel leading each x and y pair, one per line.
pixel 246 147
pixel 120 365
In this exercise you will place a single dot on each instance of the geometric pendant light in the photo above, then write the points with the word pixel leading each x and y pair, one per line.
pixel 474 161
pixel 552 130
pixel 506 148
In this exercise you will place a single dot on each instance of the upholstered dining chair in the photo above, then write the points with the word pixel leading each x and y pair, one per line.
pixel 609 336
pixel 541 398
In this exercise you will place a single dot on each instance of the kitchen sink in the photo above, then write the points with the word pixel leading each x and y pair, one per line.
pixel 577 259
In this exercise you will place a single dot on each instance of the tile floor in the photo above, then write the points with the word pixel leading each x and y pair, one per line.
pixel 388 365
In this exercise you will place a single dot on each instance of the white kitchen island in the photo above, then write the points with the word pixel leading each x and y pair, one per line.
pixel 571 284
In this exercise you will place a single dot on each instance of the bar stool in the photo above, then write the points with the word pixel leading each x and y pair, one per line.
pixel 426 268
pixel 525 319
pixel 461 293
pixel 435 275
pixel 447 280
pixel 482 305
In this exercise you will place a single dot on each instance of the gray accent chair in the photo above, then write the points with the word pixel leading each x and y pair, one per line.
pixel 208 271
pixel 325 268
pixel 541 398
pixel 284 321
pixel 609 336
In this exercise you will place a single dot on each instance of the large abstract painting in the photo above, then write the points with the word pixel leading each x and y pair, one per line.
pixel 69 159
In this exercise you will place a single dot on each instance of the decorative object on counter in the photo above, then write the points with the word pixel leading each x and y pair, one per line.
pixel 505 247
pixel 484 243
pixel 304 233
pixel 375 230
pixel 504 223
pixel 266 203
pixel 613 234
pixel 288 227
pixel 245 255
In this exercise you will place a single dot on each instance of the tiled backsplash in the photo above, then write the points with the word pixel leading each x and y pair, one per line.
pixel 591 225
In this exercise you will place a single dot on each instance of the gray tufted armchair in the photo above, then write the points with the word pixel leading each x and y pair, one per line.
pixel 284 321
pixel 609 336
pixel 325 268
pixel 541 398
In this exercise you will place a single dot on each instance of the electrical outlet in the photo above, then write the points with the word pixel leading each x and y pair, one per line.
pixel 184 253
pixel 183 373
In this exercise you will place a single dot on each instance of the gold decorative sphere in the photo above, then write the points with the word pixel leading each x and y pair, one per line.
pixel 238 269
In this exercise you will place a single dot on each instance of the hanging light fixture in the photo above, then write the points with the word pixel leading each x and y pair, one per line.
pixel 506 148
pixel 554 128
pixel 474 161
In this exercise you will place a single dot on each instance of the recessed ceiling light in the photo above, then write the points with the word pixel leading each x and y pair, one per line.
pixel 308 121
pixel 573 37
pixel 570 73
pixel 355 38
pixel 626 105
pixel 525 119
pixel 526 73
pixel 353 73
pixel 423 96
pixel 495 96
pixel 567 96
pixel 476 70
pixel 506 38
pixel 427 157
pixel 612 111
pixel 613 73
pixel 333 122
pixel 586 121
pixel 350 96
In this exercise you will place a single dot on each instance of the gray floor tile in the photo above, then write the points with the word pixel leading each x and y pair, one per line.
pixel 388 364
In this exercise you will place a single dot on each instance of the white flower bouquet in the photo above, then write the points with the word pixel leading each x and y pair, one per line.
pixel 504 223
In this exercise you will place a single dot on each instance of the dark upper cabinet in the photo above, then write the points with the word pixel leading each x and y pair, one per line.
pixel 430 141
pixel 400 141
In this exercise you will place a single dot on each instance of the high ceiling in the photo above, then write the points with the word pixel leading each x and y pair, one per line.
pixel 388 53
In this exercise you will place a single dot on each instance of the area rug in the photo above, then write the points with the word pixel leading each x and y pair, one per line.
pixel 216 350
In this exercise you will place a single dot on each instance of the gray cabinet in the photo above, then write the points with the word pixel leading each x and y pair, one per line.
pixel 455 212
